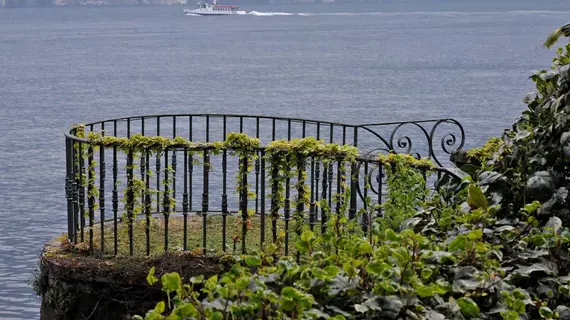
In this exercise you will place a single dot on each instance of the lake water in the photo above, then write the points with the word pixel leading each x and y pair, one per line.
pixel 409 60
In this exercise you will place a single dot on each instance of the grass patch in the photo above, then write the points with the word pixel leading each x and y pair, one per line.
pixel 194 235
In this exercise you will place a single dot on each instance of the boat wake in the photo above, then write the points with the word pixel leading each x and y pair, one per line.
pixel 415 13
pixel 270 14
pixel 424 13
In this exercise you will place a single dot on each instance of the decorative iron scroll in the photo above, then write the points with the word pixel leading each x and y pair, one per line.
pixel 422 139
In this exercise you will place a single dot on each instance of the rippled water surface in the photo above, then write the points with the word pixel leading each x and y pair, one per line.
pixel 469 60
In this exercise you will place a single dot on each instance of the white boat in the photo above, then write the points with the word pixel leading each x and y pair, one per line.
pixel 214 9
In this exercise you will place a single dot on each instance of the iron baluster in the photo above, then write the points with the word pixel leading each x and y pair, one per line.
pixel 224 198
pixel 82 191
pixel 147 202
pixel 115 201
pixel 185 201
pixel 324 197
pixel 312 204
pixel 224 188
pixel 173 173
pixel 166 200
pixel 243 202
pixel 274 197
pixel 379 178
pixel 262 218
pixel 353 179
pixel 300 206
pixel 102 173
pixel 205 200
pixel 257 165
pixel 69 186
pixel 130 200
pixel 287 209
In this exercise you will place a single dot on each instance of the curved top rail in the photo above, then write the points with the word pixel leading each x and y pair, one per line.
pixel 219 115
pixel 417 137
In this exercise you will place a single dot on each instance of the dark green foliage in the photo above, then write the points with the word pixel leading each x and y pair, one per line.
pixel 531 162
pixel 475 267
pixel 493 244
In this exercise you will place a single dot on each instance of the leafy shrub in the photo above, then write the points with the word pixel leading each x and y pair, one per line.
pixel 493 244
pixel 477 267
pixel 406 189
pixel 530 162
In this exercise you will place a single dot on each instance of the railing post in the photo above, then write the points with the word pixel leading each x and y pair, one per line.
pixel 90 193
pixel 130 200
pixel 75 191
pixel 365 217
pixel 102 173
pixel 324 198
pixel 147 201
pixel 243 202
pixel 379 180
pixel 339 185
pixel 69 187
pixel 185 201
pixel 287 204
pixel 257 167
pixel 262 218
pixel 224 197
pixel 166 200
pixel 205 200
pixel 300 207
pixel 312 206
pixel 174 165
pixel 115 201
pixel 81 189
pixel 274 199
pixel 353 180
pixel 330 183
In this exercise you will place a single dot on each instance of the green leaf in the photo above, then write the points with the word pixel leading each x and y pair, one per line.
pixel 217 316
pixel 426 273
pixel 211 283
pixel 459 243
pixel 377 267
pixel 253 260
pixel 546 313
pixel 468 307
pixel 476 199
pixel 332 270
pixel 160 307
pixel 307 235
pixel 424 291
pixel 288 292
pixel 171 282
pixel 475 234
pixel 391 235
pixel 365 248
pixel 553 38
pixel 188 310
pixel 150 278
pixel 174 316
pixel 302 246
pixel 198 279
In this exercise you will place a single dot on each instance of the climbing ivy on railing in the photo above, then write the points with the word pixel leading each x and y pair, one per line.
pixel 407 188
pixel 286 161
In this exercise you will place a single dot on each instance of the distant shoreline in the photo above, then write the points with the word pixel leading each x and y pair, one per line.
pixel 7 4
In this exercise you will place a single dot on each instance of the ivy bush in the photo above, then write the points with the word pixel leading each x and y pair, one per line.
pixel 493 244
pixel 474 267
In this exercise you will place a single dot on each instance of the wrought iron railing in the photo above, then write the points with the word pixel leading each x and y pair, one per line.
pixel 196 192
